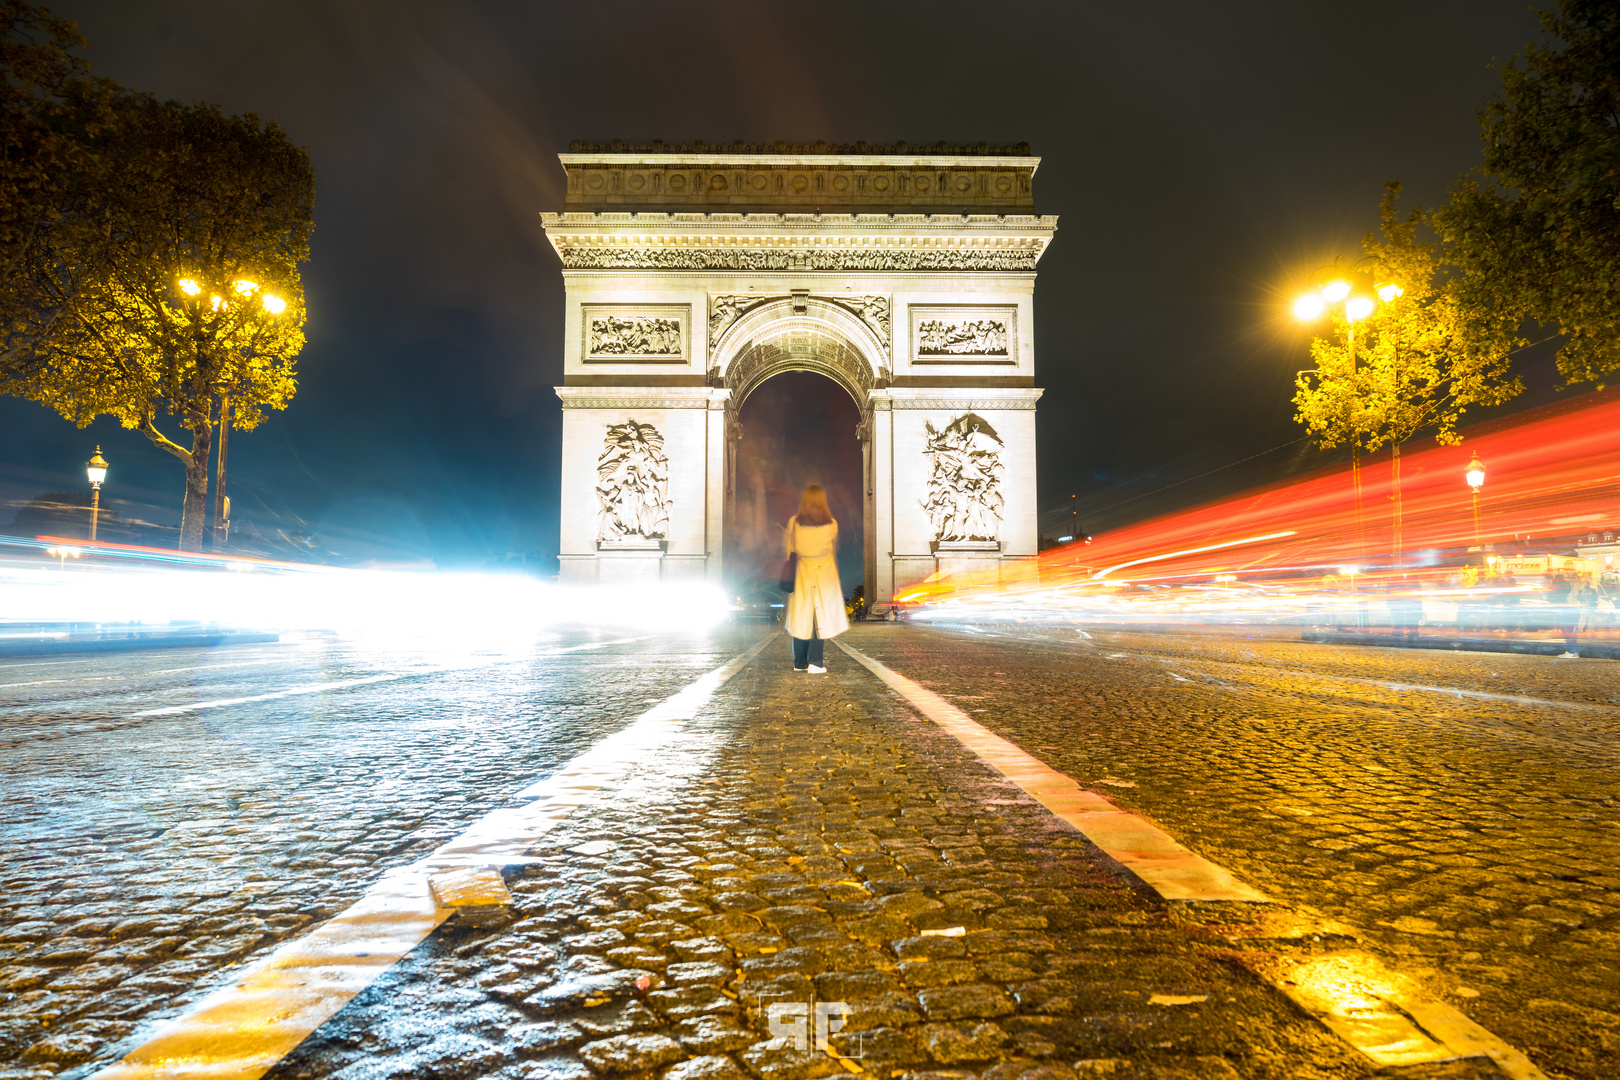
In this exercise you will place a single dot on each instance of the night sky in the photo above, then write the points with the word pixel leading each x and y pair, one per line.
pixel 1203 158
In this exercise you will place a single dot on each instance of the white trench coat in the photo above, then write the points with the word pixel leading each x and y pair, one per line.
pixel 815 607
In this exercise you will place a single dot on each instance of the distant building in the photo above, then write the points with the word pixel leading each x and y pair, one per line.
pixel 1603 549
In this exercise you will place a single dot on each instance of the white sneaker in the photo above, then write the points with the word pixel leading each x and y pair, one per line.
pixel 814 670
pixel 1561 656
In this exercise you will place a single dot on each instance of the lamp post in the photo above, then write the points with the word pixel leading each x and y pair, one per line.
pixel 96 470
pixel 1356 306
pixel 1475 475
pixel 239 294
pixel 222 502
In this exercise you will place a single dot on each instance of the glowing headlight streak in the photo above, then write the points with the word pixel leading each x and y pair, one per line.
pixel 444 611
pixel 1099 575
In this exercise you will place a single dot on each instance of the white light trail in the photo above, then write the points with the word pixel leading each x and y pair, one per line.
pixel 463 612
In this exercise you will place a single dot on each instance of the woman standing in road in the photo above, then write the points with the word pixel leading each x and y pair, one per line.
pixel 815 607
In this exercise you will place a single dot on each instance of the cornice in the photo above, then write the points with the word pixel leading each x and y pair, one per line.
pixel 699 159
pixel 642 397
pixel 697 222
pixel 968 399
pixel 843 242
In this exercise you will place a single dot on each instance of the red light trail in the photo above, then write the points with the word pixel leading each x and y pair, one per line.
pixel 1552 478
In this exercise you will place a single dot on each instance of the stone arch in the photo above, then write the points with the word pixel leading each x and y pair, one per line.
pixel 798 334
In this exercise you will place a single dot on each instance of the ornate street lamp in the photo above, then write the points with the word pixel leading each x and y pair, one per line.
pixel 96 470
pixel 1475 474
pixel 1356 306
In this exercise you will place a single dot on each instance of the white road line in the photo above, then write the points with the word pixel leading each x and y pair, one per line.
pixel 241 1030
pixel 1144 849
pixel 1385 1015
pixel 1382 1015
pixel 320 688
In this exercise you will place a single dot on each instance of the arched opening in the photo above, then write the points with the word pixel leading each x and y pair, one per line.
pixel 797 428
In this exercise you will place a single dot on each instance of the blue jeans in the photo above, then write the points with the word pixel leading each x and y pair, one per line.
pixel 808 652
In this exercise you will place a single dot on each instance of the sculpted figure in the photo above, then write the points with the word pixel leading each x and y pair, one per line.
pixel 976 337
pixel 964 484
pixel 632 484
pixel 639 336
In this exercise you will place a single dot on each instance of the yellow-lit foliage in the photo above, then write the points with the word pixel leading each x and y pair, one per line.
pixel 1418 363
pixel 138 306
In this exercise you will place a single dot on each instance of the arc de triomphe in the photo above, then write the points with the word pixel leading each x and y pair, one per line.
pixel 695 273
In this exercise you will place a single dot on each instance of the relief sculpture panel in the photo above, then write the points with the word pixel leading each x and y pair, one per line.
pixel 635 337
pixel 964 337
pixel 632 485
pixel 964 501
pixel 951 334
pixel 648 333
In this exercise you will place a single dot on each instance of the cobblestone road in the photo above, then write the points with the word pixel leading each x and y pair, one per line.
pixel 1460 810
pixel 141 855
pixel 816 841
pixel 811 839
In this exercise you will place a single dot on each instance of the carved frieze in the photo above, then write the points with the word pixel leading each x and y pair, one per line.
pixel 964 502
pixel 639 336
pixel 957 334
pixel 961 337
pixel 873 311
pixel 632 485
pixel 602 257
pixel 631 334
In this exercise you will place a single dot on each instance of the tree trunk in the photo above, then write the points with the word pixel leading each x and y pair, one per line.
pixel 194 512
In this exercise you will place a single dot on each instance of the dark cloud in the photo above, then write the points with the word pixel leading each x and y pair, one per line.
pixel 1202 158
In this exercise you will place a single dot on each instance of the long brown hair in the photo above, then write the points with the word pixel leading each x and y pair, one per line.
pixel 813 507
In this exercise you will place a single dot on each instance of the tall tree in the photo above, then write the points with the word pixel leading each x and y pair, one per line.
pixel 173 280
pixel 1537 232
pixel 47 108
pixel 1417 360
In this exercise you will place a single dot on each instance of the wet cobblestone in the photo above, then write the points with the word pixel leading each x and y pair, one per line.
pixel 810 840
pixel 142 858
pixel 1472 840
